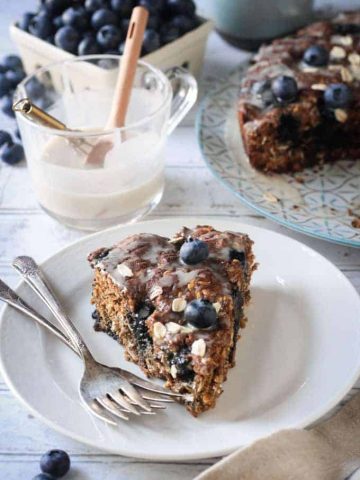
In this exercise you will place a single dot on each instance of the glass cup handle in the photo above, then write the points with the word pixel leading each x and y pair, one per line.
pixel 184 95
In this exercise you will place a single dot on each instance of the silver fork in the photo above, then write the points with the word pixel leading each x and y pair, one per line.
pixel 107 392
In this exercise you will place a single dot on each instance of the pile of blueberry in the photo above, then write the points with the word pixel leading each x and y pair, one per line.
pixel 11 73
pixel 87 27
pixel 53 464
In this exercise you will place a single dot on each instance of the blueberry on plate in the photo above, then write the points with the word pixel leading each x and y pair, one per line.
pixel 12 62
pixel 284 88
pixel 184 23
pixel 316 56
pixel 194 251
pixel 109 37
pixel 34 89
pixel 151 41
pixel 200 313
pixel 41 25
pixel 5 85
pixel 25 20
pixel 6 106
pixel 180 7
pixel 12 154
pixel 102 17
pixel 67 38
pixel 169 33
pixel 76 17
pixel 123 7
pixel 153 6
pixel 88 46
pixel 55 463
pixel 43 476
pixel 5 138
pixel 337 95
pixel 15 76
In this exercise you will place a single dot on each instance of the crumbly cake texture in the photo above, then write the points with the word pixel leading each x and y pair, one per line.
pixel 289 136
pixel 141 289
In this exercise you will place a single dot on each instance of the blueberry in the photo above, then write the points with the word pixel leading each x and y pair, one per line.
pixel 154 22
pixel 237 255
pixel 337 95
pixel 12 62
pixel 5 138
pixel 180 7
pixel 284 88
pixel 43 476
pixel 25 20
pixel 184 23
pixel 194 251
pixel 93 5
pixel 3 69
pixel 55 463
pixel 95 315
pixel 12 154
pixel 76 17
pixel 102 17
pixel 125 25
pixel 108 37
pixel 15 76
pixel 54 7
pixel 182 362
pixel 347 28
pixel 139 327
pixel 6 106
pixel 41 25
pixel 88 46
pixel 123 7
pixel 151 41
pixel 169 33
pixel 67 38
pixel 153 6
pixel 58 22
pixel 34 89
pixel 316 56
pixel 200 314
pixel 5 85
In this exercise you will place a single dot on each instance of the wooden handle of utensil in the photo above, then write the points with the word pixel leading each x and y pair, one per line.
pixel 132 50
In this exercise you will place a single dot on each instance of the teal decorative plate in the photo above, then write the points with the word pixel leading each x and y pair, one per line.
pixel 324 203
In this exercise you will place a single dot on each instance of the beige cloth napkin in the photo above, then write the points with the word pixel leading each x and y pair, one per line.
pixel 329 451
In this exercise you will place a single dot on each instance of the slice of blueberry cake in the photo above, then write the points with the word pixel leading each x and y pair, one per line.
pixel 176 305
pixel 299 102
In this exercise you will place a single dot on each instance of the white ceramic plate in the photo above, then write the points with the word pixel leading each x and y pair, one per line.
pixel 299 355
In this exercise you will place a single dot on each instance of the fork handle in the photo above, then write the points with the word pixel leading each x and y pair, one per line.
pixel 11 298
pixel 30 271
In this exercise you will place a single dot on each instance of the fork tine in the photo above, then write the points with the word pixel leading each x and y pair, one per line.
pixel 119 398
pixel 112 407
pixel 139 382
pixel 133 395
pixel 100 413
pixel 157 399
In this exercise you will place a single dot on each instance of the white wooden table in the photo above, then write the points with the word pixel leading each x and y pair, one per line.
pixel 24 228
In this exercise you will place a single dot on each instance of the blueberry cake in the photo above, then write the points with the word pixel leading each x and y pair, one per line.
pixel 176 305
pixel 299 102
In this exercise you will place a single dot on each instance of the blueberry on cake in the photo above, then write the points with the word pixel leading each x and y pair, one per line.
pixel 299 102
pixel 176 305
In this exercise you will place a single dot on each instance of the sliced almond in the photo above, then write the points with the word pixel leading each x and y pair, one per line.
pixel 310 69
pixel 198 347
pixel 355 70
pixel 340 115
pixel 270 197
pixel 173 371
pixel 345 40
pixel 335 67
pixel 346 75
pixel 337 53
pixel 124 270
pixel 217 306
pixel 354 58
pixel 173 327
pixel 178 304
pixel 319 86
pixel 155 291
pixel 159 331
